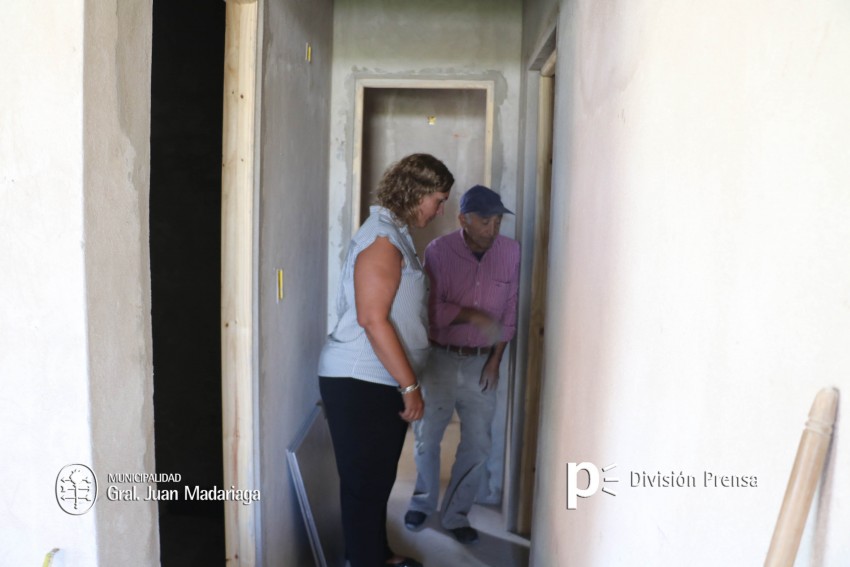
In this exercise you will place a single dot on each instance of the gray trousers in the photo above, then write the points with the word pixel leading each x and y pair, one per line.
pixel 449 382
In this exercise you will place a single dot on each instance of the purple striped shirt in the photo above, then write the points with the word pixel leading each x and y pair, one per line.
pixel 459 279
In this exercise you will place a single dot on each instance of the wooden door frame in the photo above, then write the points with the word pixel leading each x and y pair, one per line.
pixel 238 278
pixel 537 319
pixel 360 87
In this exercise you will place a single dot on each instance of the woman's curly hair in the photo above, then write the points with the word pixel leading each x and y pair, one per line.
pixel 408 180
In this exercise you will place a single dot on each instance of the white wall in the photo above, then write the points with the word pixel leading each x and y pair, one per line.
pixel 293 236
pixel 44 402
pixel 75 361
pixel 699 277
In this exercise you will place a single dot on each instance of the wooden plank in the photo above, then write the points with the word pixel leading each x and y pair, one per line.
pixel 399 83
pixel 488 136
pixel 237 272
pixel 548 68
pixel 357 158
pixel 537 322
pixel 805 475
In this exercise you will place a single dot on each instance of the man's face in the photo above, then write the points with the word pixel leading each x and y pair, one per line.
pixel 480 231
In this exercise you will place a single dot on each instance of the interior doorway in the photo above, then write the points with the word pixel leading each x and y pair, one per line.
pixel 185 225
pixel 452 120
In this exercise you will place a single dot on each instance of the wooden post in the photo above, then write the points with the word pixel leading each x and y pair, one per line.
pixel 537 321
pixel 805 475
pixel 237 273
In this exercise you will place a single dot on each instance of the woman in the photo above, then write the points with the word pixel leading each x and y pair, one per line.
pixel 368 367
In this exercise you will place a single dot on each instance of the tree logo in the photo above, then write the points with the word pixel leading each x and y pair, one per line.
pixel 76 489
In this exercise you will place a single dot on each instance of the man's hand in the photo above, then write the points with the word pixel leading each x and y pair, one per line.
pixel 490 375
pixel 488 326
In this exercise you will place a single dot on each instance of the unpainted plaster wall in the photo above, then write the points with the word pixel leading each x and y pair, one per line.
pixel 117 188
pixel 698 278
pixel 75 363
pixel 431 39
pixel 292 236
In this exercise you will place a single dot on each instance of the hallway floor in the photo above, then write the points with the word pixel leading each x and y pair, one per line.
pixel 435 547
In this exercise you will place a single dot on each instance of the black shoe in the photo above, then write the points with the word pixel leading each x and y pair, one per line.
pixel 406 562
pixel 465 535
pixel 413 520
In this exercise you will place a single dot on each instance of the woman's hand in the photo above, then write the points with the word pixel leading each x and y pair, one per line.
pixel 414 406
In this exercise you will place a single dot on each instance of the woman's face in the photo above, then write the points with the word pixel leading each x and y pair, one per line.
pixel 430 206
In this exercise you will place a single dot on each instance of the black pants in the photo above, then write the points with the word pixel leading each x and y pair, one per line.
pixel 368 435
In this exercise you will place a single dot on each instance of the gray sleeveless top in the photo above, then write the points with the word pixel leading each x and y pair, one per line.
pixel 347 352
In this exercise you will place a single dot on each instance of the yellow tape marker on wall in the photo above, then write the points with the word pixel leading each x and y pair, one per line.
pixel 48 559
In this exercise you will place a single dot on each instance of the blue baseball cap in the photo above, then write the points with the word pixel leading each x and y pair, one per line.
pixel 482 201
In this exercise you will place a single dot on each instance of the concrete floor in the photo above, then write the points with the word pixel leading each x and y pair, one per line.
pixel 435 547
pixel 192 537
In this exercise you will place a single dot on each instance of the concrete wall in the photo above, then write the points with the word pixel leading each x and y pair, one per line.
pixel 293 231
pixel 429 39
pixel 76 359
pixel 699 277
pixel 117 183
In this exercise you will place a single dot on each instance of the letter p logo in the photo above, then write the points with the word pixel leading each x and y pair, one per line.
pixel 574 492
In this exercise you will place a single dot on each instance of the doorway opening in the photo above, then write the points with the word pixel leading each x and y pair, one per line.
pixel 185 224
pixel 450 119
pixel 453 120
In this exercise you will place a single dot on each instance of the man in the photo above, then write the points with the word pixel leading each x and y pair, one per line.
pixel 474 275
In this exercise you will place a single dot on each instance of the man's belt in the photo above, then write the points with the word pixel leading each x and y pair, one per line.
pixel 463 350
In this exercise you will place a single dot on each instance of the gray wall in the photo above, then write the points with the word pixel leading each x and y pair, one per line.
pixel 117 183
pixel 292 236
